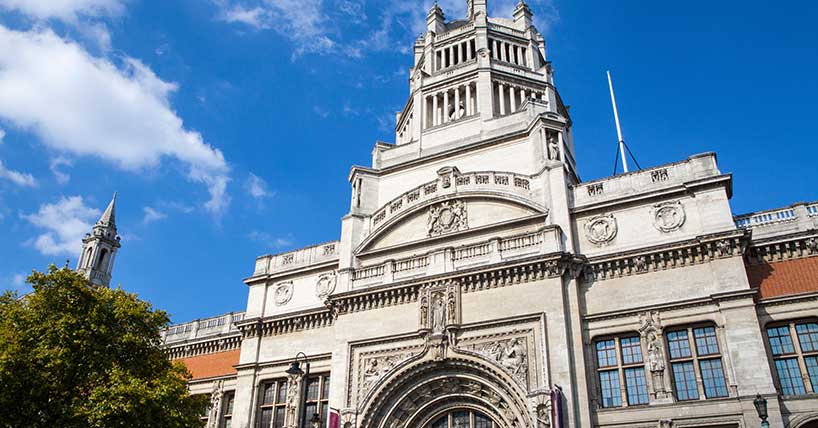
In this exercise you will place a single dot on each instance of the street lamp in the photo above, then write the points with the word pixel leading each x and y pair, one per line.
pixel 760 404
pixel 295 370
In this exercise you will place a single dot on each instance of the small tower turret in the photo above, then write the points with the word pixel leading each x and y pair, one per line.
pixel 522 16
pixel 435 20
pixel 99 248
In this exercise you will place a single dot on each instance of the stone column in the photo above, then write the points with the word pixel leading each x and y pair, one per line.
pixel 434 110
pixel 522 96
pixel 512 98
pixel 502 99
pixel 445 111
pixel 502 51
pixel 468 100
pixel 451 55
pixel 456 103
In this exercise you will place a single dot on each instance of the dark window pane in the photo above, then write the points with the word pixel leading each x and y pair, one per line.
pixel 481 421
pixel 636 386
pixel 678 344
pixel 312 388
pixel 606 353
pixel 706 343
pixel 713 378
pixel 812 370
pixel 443 422
pixel 685 379
pixel 281 397
pixel 780 340
pixel 460 420
pixel 279 421
pixel 229 398
pixel 631 350
pixel 609 384
pixel 789 375
pixel 269 390
pixel 324 414
pixel 228 423
pixel 311 409
pixel 325 390
pixel 266 418
pixel 808 336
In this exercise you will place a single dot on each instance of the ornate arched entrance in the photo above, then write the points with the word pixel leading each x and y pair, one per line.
pixel 421 393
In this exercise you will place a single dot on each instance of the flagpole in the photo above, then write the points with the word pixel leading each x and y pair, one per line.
pixel 618 128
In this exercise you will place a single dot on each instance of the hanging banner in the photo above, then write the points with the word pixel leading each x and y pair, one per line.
pixel 556 407
pixel 334 418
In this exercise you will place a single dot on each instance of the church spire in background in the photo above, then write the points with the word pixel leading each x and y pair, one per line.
pixel 99 248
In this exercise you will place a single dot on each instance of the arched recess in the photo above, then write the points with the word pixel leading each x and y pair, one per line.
pixel 416 394
pixel 809 420
pixel 390 224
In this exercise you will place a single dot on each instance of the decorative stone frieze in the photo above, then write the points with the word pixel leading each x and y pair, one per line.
pixel 219 344
pixel 793 246
pixel 601 229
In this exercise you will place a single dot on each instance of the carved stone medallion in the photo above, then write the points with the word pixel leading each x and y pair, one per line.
pixel 601 229
pixel 283 293
pixel 668 216
pixel 446 217
pixel 325 285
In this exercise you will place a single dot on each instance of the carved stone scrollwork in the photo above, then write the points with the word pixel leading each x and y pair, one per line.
pixel 283 293
pixel 650 329
pixel 601 229
pixel 668 216
pixel 447 217
pixel 325 285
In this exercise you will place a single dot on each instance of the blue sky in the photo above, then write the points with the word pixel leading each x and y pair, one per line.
pixel 228 127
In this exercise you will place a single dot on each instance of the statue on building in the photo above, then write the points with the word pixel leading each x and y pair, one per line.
pixel 439 314
pixel 553 149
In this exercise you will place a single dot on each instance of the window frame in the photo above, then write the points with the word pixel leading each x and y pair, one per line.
pixel 227 405
pixel 620 367
pixel 322 402
pixel 798 354
pixel 275 404
pixel 696 358
pixel 449 415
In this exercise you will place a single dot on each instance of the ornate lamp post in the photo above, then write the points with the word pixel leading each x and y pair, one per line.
pixel 295 370
pixel 760 404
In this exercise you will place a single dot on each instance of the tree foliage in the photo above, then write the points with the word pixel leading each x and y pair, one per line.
pixel 73 354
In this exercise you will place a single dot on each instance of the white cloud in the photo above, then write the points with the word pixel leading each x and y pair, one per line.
pixel 59 175
pixel 151 215
pixel 270 241
pixel 256 17
pixel 18 280
pixel 256 187
pixel 18 178
pixel 65 223
pixel 66 10
pixel 89 106
pixel 2 134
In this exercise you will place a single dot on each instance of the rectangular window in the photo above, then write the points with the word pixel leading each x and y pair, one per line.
pixel 609 383
pixel 808 336
pixel 636 386
pixel 684 378
pixel 812 370
pixel 273 401
pixel 706 343
pixel 713 378
pixel 227 412
pixel 631 350
pixel 789 376
pixel 678 344
pixel 606 353
pixel 317 397
pixel 780 340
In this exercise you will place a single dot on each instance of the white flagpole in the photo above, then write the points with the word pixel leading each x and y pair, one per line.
pixel 618 128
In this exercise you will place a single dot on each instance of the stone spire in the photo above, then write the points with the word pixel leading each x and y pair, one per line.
pixel 522 15
pixel 99 248
pixel 435 20
pixel 475 7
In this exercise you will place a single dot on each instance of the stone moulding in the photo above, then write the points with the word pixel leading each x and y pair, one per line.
pixel 211 346
pixel 702 249
pixel 788 247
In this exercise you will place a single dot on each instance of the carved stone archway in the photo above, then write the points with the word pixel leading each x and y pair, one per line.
pixel 413 395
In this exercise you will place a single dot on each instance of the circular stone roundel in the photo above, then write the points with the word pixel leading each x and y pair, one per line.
pixel 325 285
pixel 283 293
pixel 669 216
pixel 601 229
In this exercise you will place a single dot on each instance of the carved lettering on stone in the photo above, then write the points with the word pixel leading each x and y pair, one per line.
pixel 283 293
pixel 446 217
pixel 325 285
pixel 601 229
pixel 668 216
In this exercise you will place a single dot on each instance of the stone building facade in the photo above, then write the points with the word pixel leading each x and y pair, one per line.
pixel 477 282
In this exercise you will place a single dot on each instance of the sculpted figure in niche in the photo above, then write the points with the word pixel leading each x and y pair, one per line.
pixel 439 314
pixel 656 361
pixel 553 149
pixel 424 312
pixel 451 308
pixel 215 404
pixel 543 417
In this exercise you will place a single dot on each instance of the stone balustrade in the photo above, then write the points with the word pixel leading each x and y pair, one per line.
pixel 794 218
pixel 451 259
pixel 202 328
pixel 303 257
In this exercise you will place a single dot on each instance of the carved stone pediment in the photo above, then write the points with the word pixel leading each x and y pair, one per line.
pixel 447 217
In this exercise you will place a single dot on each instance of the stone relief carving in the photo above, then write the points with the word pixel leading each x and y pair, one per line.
pixel 539 403
pixel 283 293
pixel 215 404
pixel 325 285
pixel 438 308
pixel 665 423
pixel 511 354
pixel 375 368
pixel 291 410
pixel 446 217
pixel 650 328
pixel 438 313
pixel 553 149
pixel 601 229
pixel 812 245
pixel 723 247
pixel 668 216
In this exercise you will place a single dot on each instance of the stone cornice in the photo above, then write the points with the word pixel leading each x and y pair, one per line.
pixel 789 299
pixel 784 247
pixel 677 305
pixel 286 323
pixel 209 346
pixel 702 249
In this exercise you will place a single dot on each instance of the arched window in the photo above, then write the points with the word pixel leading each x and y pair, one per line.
pixel 103 259
pixel 88 255
pixel 463 419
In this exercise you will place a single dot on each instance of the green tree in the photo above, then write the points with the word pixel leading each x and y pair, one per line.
pixel 74 354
